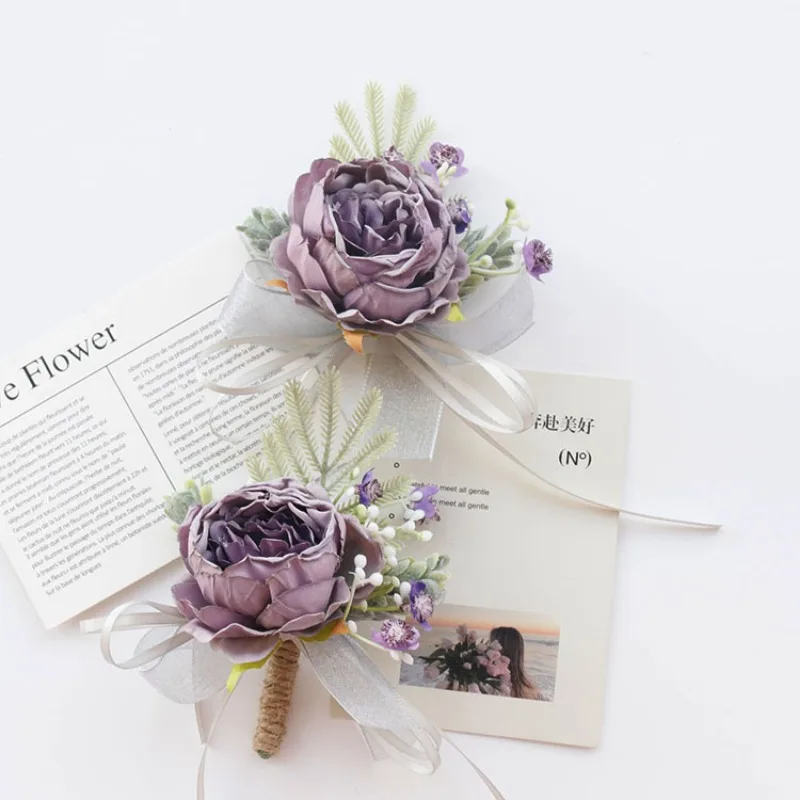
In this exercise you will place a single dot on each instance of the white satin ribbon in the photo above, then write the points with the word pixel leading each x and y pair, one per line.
pixel 119 620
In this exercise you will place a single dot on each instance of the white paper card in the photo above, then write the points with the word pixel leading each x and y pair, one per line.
pixel 528 558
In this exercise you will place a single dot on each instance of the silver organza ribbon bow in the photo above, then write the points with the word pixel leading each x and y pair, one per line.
pixel 410 367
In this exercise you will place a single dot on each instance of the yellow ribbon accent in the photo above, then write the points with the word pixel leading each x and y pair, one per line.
pixel 337 628
pixel 355 340
pixel 278 284
pixel 455 314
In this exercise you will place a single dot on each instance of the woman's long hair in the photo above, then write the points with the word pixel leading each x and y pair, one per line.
pixel 513 647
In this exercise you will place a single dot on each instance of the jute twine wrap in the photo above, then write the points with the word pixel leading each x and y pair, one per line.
pixel 276 697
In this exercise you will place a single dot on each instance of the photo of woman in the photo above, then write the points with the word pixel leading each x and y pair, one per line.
pixel 512 645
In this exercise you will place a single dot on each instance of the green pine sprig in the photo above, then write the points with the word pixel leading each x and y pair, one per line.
pixel 341 149
pixel 420 136
pixel 374 104
pixel 352 127
pixel 304 441
pixel 404 106
pixel 354 143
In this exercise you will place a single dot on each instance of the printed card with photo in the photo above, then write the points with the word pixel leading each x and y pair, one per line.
pixel 528 609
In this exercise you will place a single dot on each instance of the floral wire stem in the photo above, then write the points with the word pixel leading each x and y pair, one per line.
pixel 511 213
pixel 495 273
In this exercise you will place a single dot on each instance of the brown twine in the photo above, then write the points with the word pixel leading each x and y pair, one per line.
pixel 276 697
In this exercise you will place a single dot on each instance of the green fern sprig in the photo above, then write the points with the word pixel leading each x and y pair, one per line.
pixel 300 442
pixel 394 490
pixel 410 142
pixel 257 468
pixel 375 447
pixel 352 127
pixel 373 102
pixel 420 136
pixel 329 401
pixel 364 417
pixel 404 106
pixel 301 415
pixel 285 440
pixel 341 149
pixel 275 455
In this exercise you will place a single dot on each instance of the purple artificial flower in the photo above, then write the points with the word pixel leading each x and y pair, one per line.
pixel 266 563
pixel 425 503
pixel 398 635
pixel 444 155
pixel 474 688
pixel 371 246
pixel 459 213
pixel 420 604
pixel 369 490
pixel 538 258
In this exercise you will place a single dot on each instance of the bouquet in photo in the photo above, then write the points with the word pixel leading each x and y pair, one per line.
pixel 469 664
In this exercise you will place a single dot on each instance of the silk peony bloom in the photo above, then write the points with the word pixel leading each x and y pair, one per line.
pixel 371 245
pixel 268 562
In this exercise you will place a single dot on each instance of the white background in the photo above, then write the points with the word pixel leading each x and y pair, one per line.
pixel 654 146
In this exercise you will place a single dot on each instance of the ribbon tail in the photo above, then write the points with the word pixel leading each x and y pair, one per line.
pixel 496 793
pixel 710 526
pixel 201 767
pixel 390 725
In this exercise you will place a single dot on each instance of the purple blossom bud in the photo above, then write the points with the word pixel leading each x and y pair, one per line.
pixel 444 155
pixel 370 489
pixel 459 213
pixel 396 634
pixel 426 504
pixel 538 258
pixel 420 604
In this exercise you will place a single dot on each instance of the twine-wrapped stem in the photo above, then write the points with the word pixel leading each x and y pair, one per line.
pixel 276 698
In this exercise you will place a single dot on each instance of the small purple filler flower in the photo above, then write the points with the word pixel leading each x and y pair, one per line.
pixel 458 209
pixel 396 634
pixel 369 490
pixel 444 155
pixel 538 258
pixel 421 500
pixel 420 604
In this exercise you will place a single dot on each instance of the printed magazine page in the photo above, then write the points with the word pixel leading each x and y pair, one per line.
pixel 103 419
